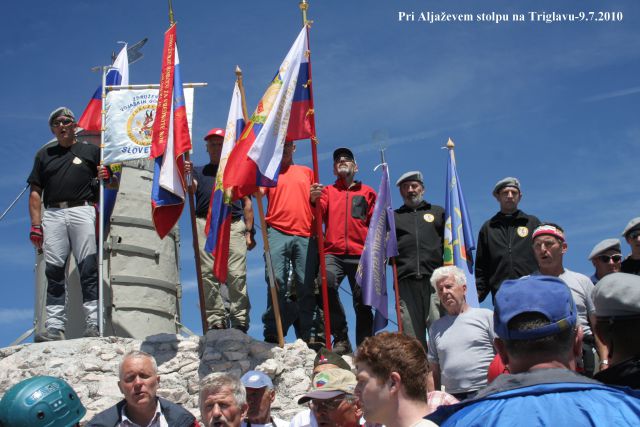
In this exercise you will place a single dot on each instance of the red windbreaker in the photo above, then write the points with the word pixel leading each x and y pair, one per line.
pixel 346 213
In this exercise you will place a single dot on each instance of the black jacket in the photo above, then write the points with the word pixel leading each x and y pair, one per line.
pixel 175 415
pixel 420 234
pixel 504 251
pixel 625 373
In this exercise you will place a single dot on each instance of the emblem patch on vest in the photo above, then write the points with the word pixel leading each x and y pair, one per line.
pixel 429 217
pixel 522 231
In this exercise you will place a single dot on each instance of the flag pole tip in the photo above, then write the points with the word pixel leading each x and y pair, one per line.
pixel 303 5
pixel 238 71
pixel 450 144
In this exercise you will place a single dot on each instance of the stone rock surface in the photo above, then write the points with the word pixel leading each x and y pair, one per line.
pixel 91 366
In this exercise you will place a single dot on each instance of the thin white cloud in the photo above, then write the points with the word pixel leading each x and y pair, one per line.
pixel 613 94
pixel 13 315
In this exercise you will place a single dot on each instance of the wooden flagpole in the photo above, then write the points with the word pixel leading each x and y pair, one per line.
pixel 273 284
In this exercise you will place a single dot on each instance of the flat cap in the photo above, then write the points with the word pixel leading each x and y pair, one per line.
pixel 617 295
pixel 634 224
pixel 256 379
pixel 410 176
pixel 604 246
pixel 61 111
pixel 506 182
pixel 343 152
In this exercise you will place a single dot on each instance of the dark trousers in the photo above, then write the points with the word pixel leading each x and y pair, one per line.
pixel 337 268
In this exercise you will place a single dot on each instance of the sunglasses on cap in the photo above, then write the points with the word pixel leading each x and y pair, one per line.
pixel 616 258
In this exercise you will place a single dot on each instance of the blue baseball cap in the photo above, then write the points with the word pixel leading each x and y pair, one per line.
pixel 256 379
pixel 546 295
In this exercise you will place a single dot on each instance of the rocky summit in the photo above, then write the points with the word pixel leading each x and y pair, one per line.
pixel 90 366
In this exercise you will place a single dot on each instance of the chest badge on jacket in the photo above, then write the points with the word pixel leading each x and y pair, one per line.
pixel 429 217
pixel 523 231
pixel 77 161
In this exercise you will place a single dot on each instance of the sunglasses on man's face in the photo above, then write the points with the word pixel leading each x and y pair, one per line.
pixel 634 235
pixel 607 258
pixel 62 122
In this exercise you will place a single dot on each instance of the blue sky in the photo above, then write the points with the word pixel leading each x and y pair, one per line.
pixel 554 104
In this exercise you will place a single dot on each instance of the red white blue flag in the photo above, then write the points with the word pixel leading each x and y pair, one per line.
pixel 91 119
pixel 218 227
pixel 255 161
pixel 170 140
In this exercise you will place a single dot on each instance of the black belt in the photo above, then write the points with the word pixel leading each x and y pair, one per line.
pixel 74 204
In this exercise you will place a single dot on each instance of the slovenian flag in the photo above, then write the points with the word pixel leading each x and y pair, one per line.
pixel 301 122
pixel 255 161
pixel 218 227
pixel 91 119
pixel 169 142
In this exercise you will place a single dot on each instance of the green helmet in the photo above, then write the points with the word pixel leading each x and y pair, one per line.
pixel 41 402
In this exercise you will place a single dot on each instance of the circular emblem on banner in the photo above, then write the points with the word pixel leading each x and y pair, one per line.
pixel 429 217
pixel 522 231
pixel 140 124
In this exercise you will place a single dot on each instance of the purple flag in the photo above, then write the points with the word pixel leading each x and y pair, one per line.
pixel 381 244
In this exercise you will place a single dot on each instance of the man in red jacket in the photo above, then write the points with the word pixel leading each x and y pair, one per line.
pixel 347 207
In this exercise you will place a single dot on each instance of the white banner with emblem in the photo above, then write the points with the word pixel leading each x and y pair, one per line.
pixel 129 121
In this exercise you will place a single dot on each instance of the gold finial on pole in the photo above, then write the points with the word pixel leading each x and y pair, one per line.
pixel 171 20
pixel 304 5
pixel 238 72
pixel 450 144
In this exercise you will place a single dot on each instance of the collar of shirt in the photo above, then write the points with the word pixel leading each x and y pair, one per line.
pixel 158 419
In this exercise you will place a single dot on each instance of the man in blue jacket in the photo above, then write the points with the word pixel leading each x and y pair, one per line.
pixel 535 320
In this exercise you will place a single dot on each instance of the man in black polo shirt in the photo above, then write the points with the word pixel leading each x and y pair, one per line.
pixel 241 240
pixel 65 176
pixel 420 234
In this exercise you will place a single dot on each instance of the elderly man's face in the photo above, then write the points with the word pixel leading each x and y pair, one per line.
pixel 344 167
pixel 509 197
pixel 633 239
pixel 139 382
pixel 220 409
pixel 451 294
pixel 412 193
pixel 339 411
pixel 607 262
pixel 259 401
pixel 63 128
pixel 549 251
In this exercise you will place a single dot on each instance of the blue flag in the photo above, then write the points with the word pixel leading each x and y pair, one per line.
pixel 381 243
pixel 458 235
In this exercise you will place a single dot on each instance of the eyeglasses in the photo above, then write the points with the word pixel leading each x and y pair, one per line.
pixel 330 404
pixel 343 160
pixel 616 258
pixel 634 234
pixel 63 122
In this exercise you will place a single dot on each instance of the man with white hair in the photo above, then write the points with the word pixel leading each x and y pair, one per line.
pixel 420 233
pixel 260 396
pixel 223 400
pixel 141 406
pixel 461 343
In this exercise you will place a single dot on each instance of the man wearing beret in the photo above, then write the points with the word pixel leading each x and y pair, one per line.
pixel 631 234
pixel 420 234
pixel 241 239
pixel 65 176
pixel 346 206
pixel 504 241
pixel 617 300
pixel 539 339
pixel 549 246
pixel 606 258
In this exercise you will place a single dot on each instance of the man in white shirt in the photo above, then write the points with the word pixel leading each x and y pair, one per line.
pixel 260 396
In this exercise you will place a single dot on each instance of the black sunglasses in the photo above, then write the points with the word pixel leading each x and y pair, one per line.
pixel 606 258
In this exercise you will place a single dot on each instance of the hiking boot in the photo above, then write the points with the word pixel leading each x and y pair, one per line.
pixel 342 346
pixel 241 328
pixel 50 334
pixel 92 331
pixel 315 343
pixel 272 339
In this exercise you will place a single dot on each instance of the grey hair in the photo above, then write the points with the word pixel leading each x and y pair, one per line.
pixel 214 382
pixel 138 354
pixel 448 271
